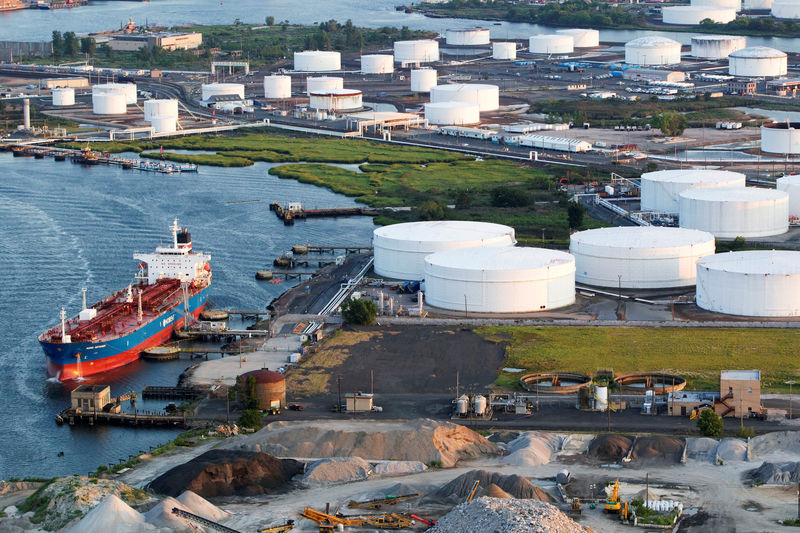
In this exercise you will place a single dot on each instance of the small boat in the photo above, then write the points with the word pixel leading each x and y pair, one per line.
pixel 60 157
pixel 21 151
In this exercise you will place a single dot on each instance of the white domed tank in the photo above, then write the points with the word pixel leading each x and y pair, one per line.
pixel 467 37
pixel 652 50
pixel 750 5
pixel 317 61
pixel 728 4
pixel 316 84
pixel 165 124
pixel 336 100
pixel 160 108
pixel 462 405
pixel 113 103
pixel 126 89
pixel 487 97
pixel 791 186
pixel 400 249
pixel 716 46
pixel 757 62
pixel 453 113
pixel 639 257
pixel 63 96
pixel 551 44
pixel 754 283
pixel 423 79
pixel 377 64
pixel 741 212
pixel 786 9
pixel 693 15
pixel 277 87
pixel 421 51
pixel 581 37
pixel 504 50
pixel 781 138
pixel 500 280
pixel 661 190
pixel 600 397
pixel 479 404
pixel 208 90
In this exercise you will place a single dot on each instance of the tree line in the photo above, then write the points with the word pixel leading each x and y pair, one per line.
pixel 69 44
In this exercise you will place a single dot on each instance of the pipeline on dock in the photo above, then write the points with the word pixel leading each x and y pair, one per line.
pixel 74 416
pixel 296 211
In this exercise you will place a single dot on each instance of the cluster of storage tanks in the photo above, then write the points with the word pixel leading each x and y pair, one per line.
pixel 162 114
pixel 113 98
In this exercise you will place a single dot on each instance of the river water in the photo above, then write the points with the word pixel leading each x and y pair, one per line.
pixel 66 226
pixel 37 25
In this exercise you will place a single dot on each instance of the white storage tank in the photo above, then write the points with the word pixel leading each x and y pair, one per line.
pixel 639 257
pixel 786 9
pixel 500 280
pixel 453 113
pixel 486 96
pixel 423 79
pixel 740 212
pixel 753 283
pixel 600 397
pixel 400 249
pixel 653 50
pixel 757 4
pixel 462 405
pixel 208 90
pixel 421 51
pixel 504 50
pixel 316 84
pixel 317 61
pixel 479 404
pixel 693 15
pixel 377 64
pixel 63 96
pixel 551 44
pixel 165 124
pixel 757 62
pixel 791 186
pixel 729 4
pixel 336 100
pixel 126 89
pixel 277 87
pixel 160 108
pixel 661 190
pixel 581 37
pixel 467 37
pixel 109 103
pixel 716 46
pixel 781 138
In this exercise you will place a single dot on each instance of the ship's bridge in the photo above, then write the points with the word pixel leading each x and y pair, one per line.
pixel 175 262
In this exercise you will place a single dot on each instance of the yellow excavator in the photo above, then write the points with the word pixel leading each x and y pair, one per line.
pixel 613 504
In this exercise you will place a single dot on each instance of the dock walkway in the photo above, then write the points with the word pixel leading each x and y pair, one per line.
pixel 73 416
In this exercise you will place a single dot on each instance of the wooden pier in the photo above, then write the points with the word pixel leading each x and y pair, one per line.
pixel 89 157
pixel 74 416
pixel 288 216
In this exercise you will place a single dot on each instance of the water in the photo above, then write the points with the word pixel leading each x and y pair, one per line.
pixel 37 25
pixel 66 226
pixel 781 116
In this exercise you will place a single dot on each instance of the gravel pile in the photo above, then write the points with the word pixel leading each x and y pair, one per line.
pixel 781 442
pixel 514 485
pixel 398 468
pixel 657 450
pixel 702 448
pixel 532 449
pixel 112 516
pixel 609 448
pixel 775 474
pixel 161 516
pixel 732 450
pixel 576 444
pixel 337 470
pixel 495 515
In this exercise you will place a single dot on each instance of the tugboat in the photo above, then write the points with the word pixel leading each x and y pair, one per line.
pixel 87 156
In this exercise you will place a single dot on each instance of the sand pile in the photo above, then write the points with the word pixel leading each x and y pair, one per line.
pixel 576 444
pixel 702 448
pixel 496 492
pixel 200 506
pixel 516 486
pixel 161 516
pixel 532 449
pixel 337 470
pixel 398 468
pixel 775 474
pixel 227 473
pixel 647 496
pixel 112 516
pixel 423 440
pixel 657 449
pixel 732 450
pixel 506 516
pixel 609 448
pixel 780 442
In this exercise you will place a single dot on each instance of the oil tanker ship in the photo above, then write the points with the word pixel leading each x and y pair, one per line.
pixel 170 285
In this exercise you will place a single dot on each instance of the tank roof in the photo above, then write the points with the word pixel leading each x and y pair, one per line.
pixel 499 258
pixel 652 41
pixel 336 92
pixel 754 262
pixel 454 87
pixel 444 230
pixel 733 194
pixel 264 376
pixel 692 176
pixel 758 52
pixel 717 37
pixel 641 237
pixel 452 105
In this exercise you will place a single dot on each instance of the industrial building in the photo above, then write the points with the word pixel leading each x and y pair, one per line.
pixel 652 50
pixel 209 90
pixel 757 62
pixel 504 50
pixel 467 37
pixel 762 283
pixel 561 144
pixel 400 249
pixel 639 257
pixel 323 83
pixel 786 9
pixel 423 79
pixel 416 52
pixel 90 397
pixel 336 100
pixel 74 83
pixel 716 46
pixel 739 396
pixel 64 96
pixel 742 86
pixel 735 212
pixel 660 190
pixel 277 87
pixel 784 87
pixel 791 186
pixel 781 138
pixel 167 41
pixel 581 37
pixel 377 64
pixel 317 61
pixel 487 97
pixel 500 280
pixel 694 14
pixel 453 113
pixel 266 387
pixel 649 74
pixel 551 44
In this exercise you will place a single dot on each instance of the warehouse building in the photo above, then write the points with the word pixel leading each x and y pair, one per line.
pixel 647 74
pixel 166 40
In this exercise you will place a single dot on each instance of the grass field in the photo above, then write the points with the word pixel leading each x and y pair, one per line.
pixel 697 354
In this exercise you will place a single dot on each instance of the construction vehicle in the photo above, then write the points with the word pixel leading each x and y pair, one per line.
pixel 380 502
pixel 473 491
pixel 625 513
pixel 575 507
pixel 288 526
pixel 613 504
pixel 193 519
pixel 387 521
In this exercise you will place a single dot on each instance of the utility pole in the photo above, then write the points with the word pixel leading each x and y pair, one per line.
pixel 339 386
pixel 371 383
pixel 790 383
pixel 647 489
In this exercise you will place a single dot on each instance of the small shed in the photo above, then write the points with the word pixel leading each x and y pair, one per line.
pixel 90 397
pixel 358 402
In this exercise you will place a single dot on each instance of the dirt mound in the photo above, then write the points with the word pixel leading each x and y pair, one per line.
pixel 732 450
pixel 200 506
pixel 337 470
pixel 516 486
pixel 398 468
pixel 161 516
pixel 532 449
pixel 609 448
pixel 774 474
pixel 496 492
pixel 228 473
pixel 427 441
pixel 702 448
pixel 780 442
pixel 657 449
pixel 112 516
pixel 647 496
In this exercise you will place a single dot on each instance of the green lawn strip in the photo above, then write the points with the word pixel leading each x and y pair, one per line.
pixel 215 160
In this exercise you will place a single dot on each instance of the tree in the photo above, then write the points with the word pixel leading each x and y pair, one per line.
pixel 505 196
pixel 361 312
pixel 270 20
pixel 70 44
pixel 709 423
pixel 250 418
pixel 58 43
pixel 464 199
pixel 88 45
pixel 575 212
pixel 671 123
pixel 432 210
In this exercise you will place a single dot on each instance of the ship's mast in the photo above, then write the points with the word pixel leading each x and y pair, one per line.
pixel 175 228
pixel 63 325
pixel 84 299
pixel 139 292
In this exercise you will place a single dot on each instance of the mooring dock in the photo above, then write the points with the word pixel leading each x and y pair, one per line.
pixel 73 416
pixel 89 157
pixel 289 214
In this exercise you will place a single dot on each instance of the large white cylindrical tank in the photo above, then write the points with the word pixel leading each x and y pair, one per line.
pixel 109 104
pixel 486 96
pixel 504 50
pixel 551 44
pixel 730 4
pixel 753 283
pixel 127 89
pixel 221 89
pixel 63 96
pixel 716 46
pixel 453 113
pixel 500 280
pixel 693 15
pixel 652 50
pixel 479 404
pixel 423 79
pixel 166 124
pixel 317 61
pixel 160 108
pixel 467 37
pixel 757 4
pixel 400 249
pixel 336 100
pixel 421 51
pixel 781 138
pixel 740 212
pixel 661 190
pixel 600 397
pixel 791 186
pixel 786 9
pixel 277 87
pixel 639 257
pixel 316 84
pixel 581 37
pixel 377 64
pixel 757 62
